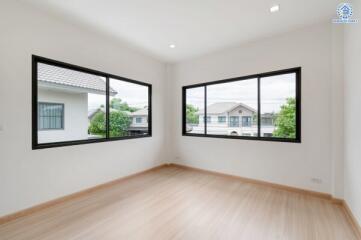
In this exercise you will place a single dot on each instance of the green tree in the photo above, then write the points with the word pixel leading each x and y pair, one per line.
pixel 191 113
pixel 119 123
pixel 97 124
pixel 286 120
pixel 116 103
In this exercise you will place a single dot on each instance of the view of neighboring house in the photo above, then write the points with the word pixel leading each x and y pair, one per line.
pixel 139 122
pixel 232 118
pixel 267 124
pixel 139 119
pixel 63 102
pixel 93 112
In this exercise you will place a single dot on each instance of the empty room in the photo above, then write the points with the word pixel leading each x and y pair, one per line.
pixel 180 119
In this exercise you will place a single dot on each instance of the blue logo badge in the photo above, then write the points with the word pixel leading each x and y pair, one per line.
pixel 344 12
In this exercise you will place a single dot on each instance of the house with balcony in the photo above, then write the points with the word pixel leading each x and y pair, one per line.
pixel 232 118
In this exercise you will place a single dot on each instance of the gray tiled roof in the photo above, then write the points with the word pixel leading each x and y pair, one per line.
pixel 223 107
pixel 66 77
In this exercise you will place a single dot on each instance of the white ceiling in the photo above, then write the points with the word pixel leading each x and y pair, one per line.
pixel 196 27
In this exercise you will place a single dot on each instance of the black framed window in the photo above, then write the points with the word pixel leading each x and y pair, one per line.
pixel 86 106
pixel 264 106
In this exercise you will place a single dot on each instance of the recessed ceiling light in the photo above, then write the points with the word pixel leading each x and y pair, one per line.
pixel 172 46
pixel 274 8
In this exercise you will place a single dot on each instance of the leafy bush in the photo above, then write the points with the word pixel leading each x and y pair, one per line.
pixel 191 113
pixel 119 123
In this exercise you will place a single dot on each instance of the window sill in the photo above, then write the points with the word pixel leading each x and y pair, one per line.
pixel 270 139
pixel 86 141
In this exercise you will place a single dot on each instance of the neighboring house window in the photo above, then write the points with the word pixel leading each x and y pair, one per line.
pixel 138 120
pixel 268 104
pixel 233 121
pixel 222 119
pixel 50 116
pixel 267 121
pixel 208 119
pixel 99 106
pixel 246 121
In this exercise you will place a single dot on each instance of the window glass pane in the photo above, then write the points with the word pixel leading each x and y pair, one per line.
pixel 195 110
pixel 232 108
pixel 128 109
pixel 51 116
pixel 71 105
pixel 278 106
pixel 222 119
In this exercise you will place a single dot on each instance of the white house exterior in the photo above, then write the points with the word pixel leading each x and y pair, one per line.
pixel 69 89
pixel 139 121
pixel 75 104
pixel 230 118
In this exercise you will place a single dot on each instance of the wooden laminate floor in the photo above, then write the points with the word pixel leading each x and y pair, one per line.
pixel 175 203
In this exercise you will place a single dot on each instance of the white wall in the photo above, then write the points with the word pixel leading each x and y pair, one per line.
pixel 284 163
pixel 337 111
pixel 75 116
pixel 353 114
pixel 30 177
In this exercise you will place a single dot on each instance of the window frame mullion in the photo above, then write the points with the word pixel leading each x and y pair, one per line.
pixel 259 106
pixel 107 108
pixel 205 110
